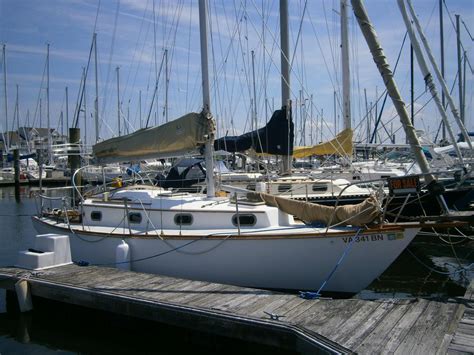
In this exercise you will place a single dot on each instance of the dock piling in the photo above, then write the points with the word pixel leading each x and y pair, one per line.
pixel 74 157
pixel 16 166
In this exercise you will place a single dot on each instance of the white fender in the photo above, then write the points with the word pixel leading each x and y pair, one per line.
pixel 122 256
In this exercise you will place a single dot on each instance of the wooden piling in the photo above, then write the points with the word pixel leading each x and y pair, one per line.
pixel 16 166
pixel 74 158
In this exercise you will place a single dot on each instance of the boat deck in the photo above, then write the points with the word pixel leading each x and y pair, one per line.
pixel 271 318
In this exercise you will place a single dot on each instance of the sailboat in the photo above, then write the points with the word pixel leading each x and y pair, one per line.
pixel 242 239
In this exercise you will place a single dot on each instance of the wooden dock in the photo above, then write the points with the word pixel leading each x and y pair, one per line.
pixel 407 326
pixel 463 340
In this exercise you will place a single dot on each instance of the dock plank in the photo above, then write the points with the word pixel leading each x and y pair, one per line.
pixel 359 335
pixel 375 341
pixel 402 328
pixel 356 320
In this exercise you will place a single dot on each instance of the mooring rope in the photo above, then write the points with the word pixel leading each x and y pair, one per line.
pixel 312 295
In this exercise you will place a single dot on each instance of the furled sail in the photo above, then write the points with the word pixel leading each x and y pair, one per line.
pixel 182 136
pixel 340 145
pixel 275 138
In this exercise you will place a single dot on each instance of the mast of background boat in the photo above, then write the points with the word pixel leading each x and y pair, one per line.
pixel 118 102
pixel 254 111
pixel 67 112
pixel 206 98
pixel 85 108
pixel 167 81
pixel 460 73
pixel 6 138
pixel 50 158
pixel 384 68
pixel 140 108
pixel 427 76
pixel 439 76
pixel 346 86
pixel 285 76
pixel 96 103
pixel 17 110
pixel 441 32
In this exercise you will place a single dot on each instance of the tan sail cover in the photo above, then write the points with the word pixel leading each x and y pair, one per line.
pixel 179 137
pixel 356 215
pixel 340 145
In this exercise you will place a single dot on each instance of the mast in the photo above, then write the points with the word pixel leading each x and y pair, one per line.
pixel 41 114
pixel 17 109
pixel 7 138
pixel 206 98
pixel 50 158
pixel 167 80
pixel 96 103
pixel 285 74
pixel 140 107
pixel 85 108
pixel 118 102
pixel 458 45
pixel 384 68
pixel 346 87
pixel 427 76
pixel 254 120
pixel 67 111
pixel 438 75
pixel 441 37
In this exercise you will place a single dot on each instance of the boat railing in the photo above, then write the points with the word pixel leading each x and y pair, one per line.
pixel 106 186
pixel 58 206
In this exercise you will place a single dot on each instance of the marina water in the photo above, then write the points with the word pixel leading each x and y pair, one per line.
pixel 429 268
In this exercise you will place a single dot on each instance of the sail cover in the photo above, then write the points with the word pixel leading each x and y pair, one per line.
pixel 357 215
pixel 340 145
pixel 182 136
pixel 275 138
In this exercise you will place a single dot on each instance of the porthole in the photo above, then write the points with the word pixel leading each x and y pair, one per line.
pixel 320 188
pixel 244 220
pixel 96 215
pixel 183 219
pixel 135 217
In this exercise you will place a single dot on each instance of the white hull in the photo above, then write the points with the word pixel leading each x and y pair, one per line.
pixel 268 261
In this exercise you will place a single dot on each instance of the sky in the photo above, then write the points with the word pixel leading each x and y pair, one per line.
pixel 156 42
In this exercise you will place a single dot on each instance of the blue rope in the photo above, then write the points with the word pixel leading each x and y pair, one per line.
pixel 312 295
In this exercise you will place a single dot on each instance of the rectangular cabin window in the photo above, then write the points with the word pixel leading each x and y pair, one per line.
pixel 135 217
pixel 284 187
pixel 320 188
pixel 244 220
pixel 96 215
pixel 183 219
